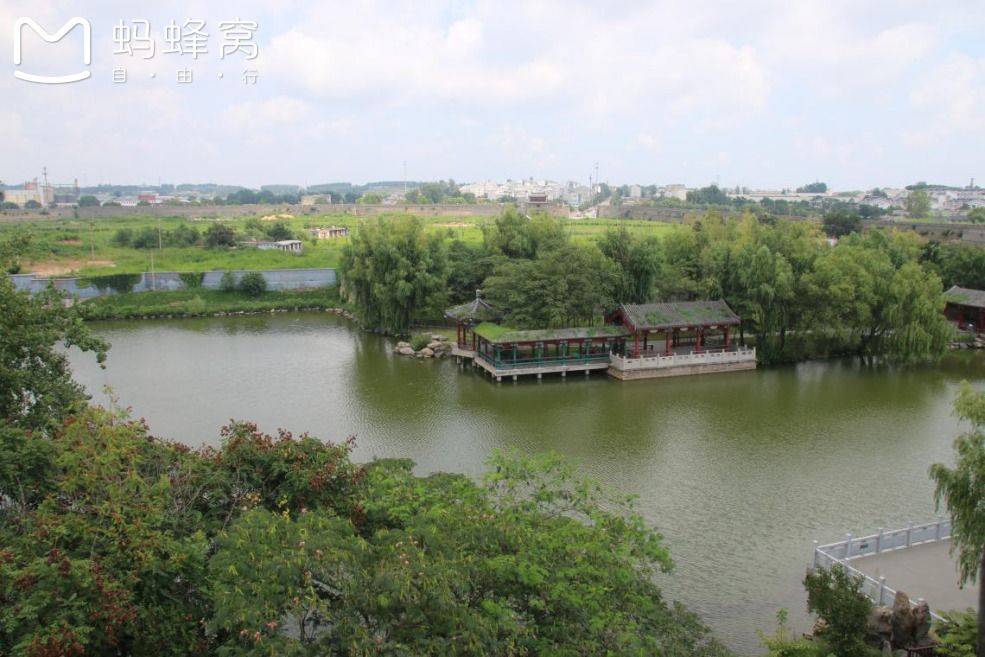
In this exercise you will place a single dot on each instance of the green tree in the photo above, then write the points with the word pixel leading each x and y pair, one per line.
pixel 88 201
pixel 962 490
pixel 279 230
pixel 977 215
pixel 536 560
pixel 394 274
pixel 569 286
pixel 253 283
pixel 813 188
pixel 918 204
pixel 220 235
pixel 227 283
pixel 36 387
pixel 123 237
pixel 371 198
pixel 638 263
pixel 841 223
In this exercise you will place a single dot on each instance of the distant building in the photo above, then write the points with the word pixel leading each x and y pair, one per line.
pixel 290 246
pixel 536 201
pixel 332 233
pixel 635 191
pixel 31 191
pixel 674 191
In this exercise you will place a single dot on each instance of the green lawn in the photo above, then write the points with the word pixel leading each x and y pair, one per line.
pixel 85 247
pixel 193 303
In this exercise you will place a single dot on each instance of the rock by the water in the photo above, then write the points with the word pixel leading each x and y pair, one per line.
pixel 439 338
pixel 879 629
pixel 921 625
pixel 902 621
pixel 401 345
pixel 405 351
pixel 426 353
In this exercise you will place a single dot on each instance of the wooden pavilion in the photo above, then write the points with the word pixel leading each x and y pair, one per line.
pixel 567 348
pixel 687 326
pixel 965 307
pixel 469 315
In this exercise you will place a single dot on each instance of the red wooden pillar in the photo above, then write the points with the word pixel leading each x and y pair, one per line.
pixel 636 344
pixel 697 340
pixel 667 349
pixel 728 339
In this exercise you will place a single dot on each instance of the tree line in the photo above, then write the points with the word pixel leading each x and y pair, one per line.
pixel 877 295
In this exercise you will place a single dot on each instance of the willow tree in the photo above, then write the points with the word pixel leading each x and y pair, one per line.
pixel 962 490
pixel 394 274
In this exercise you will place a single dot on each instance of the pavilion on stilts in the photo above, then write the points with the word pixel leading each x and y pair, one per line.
pixel 637 341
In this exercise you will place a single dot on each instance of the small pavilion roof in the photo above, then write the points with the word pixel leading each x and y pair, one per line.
pixel 476 310
pixel 657 316
pixel 964 296
pixel 497 334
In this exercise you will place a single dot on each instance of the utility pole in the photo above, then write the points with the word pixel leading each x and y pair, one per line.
pixel 153 279
pixel 92 244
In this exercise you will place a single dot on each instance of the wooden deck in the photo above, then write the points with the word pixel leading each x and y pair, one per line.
pixel 540 369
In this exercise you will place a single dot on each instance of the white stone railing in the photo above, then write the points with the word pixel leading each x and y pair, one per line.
pixel 841 552
pixel 741 355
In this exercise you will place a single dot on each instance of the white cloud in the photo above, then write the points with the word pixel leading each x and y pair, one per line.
pixel 953 96
pixel 264 114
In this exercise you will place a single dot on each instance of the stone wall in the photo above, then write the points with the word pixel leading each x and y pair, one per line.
pixel 230 211
pixel 277 279
pixel 684 370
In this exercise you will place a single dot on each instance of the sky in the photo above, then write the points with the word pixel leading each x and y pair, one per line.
pixel 759 93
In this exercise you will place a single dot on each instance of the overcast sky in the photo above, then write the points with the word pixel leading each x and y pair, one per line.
pixel 758 93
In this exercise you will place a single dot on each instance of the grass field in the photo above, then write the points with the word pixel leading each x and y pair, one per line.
pixel 197 303
pixel 61 247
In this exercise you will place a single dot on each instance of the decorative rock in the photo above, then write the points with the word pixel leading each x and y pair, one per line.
pixel 902 621
pixel 434 346
pixel 405 351
pixel 438 337
pixel 921 625
pixel 426 353
pixel 401 345
pixel 879 629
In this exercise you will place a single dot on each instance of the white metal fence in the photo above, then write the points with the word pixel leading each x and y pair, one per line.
pixel 841 552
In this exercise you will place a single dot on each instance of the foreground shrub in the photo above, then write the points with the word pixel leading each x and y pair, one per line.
pixel 253 283
pixel 836 597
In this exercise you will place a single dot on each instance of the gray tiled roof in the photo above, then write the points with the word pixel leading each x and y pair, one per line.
pixel 964 296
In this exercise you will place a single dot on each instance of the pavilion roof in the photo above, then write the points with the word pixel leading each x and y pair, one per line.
pixel 964 296
pixel 505 335
pixel 656 316
pixel 476 310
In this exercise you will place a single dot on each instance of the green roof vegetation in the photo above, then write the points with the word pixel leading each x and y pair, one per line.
pixel 504 335
pixel 965 297
pixel 490 331
pixel 681 314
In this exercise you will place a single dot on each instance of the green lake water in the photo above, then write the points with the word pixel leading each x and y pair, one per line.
pixel 739 471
